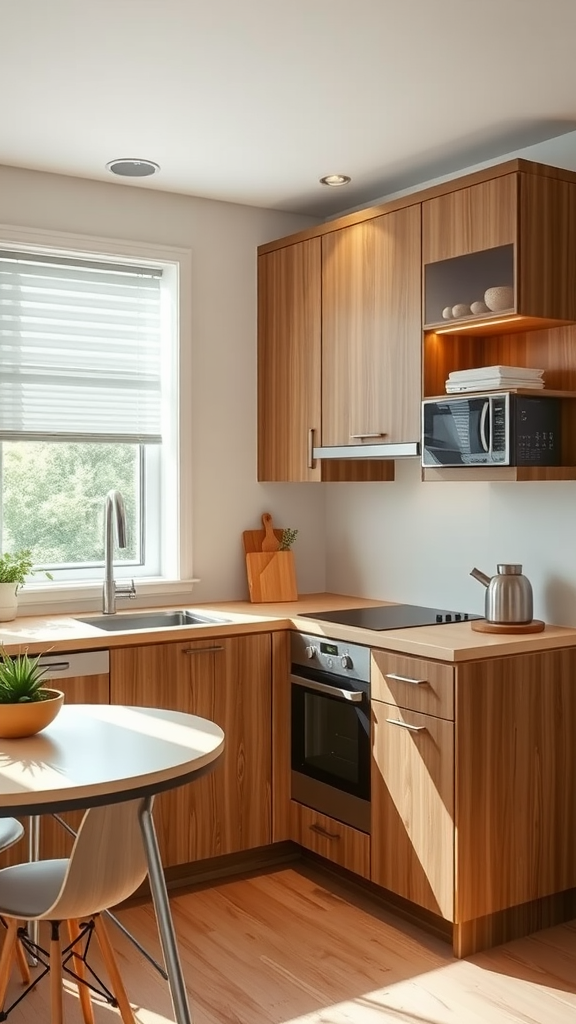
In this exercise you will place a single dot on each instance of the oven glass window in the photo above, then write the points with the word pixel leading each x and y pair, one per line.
pixel 331 741
pixel 331 737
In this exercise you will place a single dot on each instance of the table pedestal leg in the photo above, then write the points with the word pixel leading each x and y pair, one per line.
pixel 33 854
pixel 164 917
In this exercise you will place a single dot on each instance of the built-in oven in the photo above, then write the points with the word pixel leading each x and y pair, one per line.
pixel 330 728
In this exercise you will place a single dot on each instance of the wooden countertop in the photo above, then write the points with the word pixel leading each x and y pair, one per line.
pixel 452 642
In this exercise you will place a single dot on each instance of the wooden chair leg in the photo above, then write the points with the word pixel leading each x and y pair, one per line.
pixel 6 957
pixel 113 972
pixel 56 1001
pixel 79 967
pixel 23 966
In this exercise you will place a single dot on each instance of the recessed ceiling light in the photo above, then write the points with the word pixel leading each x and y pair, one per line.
pixel 130 168
pixel 334 180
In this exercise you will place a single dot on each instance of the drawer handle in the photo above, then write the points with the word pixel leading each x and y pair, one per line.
pixel 405 679
pixel 360 437
pixel 54 666
pixel 406 725
pixel 202 650
pixel 323 832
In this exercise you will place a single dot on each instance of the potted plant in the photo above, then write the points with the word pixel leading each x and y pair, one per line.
pixel 26 705
pixel 14 568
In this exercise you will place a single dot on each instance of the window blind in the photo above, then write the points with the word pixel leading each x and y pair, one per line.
pixel 80 350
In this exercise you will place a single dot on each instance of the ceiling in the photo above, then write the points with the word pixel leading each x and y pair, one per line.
pixel 253 101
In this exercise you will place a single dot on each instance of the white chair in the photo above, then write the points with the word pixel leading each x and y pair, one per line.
pixel 107 864
pixel 11 831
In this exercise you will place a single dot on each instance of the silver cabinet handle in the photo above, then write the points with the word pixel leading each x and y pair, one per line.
pixel 355 696
pixel 311 448
pixel 54 666
pixel 358 437
pixel 405 679
pixel 202 650
pixel 405 725
pixel 323 832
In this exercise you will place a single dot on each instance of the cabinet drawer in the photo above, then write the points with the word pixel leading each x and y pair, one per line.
pixel 412 683
pixel 331 839
pixel 413 806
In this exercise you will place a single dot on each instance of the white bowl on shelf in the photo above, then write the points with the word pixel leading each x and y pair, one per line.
pixel 499 298
pixel 460 310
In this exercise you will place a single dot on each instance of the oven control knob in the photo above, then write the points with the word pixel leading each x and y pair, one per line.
pixel 346 661
pixel 311 651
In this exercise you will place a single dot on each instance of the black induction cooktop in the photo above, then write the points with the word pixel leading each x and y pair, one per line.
pixel 391 616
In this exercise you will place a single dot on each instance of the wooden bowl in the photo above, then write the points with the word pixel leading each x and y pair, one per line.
pixel 17 720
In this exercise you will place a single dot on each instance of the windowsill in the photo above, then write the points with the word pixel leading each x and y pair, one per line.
pixel 86 596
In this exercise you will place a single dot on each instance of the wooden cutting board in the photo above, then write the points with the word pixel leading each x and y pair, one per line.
pixel 252 539
pixel 271 575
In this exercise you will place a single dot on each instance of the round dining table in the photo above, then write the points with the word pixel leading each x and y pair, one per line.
pixel 101 754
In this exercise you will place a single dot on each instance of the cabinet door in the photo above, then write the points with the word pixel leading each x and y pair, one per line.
pixel 228 682
pixel 371 331
pixel 289 342
pixel 413 806
pixel 54 840
pixel 515 781
pixel 468 220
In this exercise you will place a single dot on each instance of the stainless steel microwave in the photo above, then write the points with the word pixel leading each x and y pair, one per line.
pixel 493 429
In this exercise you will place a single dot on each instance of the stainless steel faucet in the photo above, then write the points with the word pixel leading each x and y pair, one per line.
pixel 112 590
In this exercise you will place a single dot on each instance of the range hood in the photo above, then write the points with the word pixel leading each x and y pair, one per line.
pixel 404 450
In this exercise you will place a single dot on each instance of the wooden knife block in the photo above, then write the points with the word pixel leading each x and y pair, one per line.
pixel 271 576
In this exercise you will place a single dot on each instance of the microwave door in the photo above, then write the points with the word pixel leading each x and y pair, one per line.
pixel 457 433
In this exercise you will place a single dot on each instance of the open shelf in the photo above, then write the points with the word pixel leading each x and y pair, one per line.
pixel 542 392
pixel 495 474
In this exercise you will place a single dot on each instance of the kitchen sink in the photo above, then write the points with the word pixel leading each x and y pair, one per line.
pixel 151 620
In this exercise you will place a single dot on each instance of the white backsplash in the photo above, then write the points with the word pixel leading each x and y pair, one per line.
pixel 416 542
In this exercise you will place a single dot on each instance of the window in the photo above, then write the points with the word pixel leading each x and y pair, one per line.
pixel 89 358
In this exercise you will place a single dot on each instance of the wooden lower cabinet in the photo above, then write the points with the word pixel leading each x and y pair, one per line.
pixel 515 781
pixel 475 820
pixel 54 840
pixel 338 843
pixel 227 681
pixel 413 806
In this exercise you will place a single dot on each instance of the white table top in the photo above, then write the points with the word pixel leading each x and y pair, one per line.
pixel 99 753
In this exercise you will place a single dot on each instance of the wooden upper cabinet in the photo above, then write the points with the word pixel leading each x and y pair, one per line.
pixel 290 371
pixel 509 243
pixel 371 330
pixel 479 217
pixel 289 353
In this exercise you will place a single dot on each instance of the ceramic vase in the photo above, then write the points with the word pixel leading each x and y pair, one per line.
pixel 499 298
pixel 8 601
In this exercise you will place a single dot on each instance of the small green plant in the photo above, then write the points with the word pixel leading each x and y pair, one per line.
pixel 21 679
pixel 288 538
pixel 15 568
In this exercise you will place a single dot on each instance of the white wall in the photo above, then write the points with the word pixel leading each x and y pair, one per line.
pixel 416 542
pixel 223 239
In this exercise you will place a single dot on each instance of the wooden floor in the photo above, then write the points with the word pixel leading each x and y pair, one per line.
pixel 295 945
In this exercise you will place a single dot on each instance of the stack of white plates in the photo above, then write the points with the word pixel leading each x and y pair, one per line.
pixel 494 378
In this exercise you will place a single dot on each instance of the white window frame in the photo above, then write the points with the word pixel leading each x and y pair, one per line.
pixel 176 545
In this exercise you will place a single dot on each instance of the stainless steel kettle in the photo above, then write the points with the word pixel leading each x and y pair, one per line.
pixel 509 595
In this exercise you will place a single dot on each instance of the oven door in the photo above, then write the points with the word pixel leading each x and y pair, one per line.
pixel 331 731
